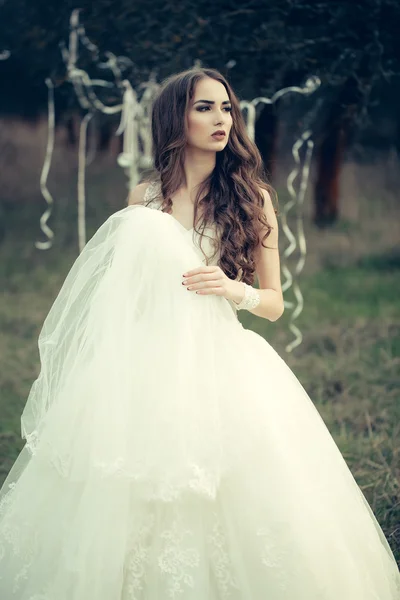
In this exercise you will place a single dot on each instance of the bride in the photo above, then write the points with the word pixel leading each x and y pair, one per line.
pixel 170 452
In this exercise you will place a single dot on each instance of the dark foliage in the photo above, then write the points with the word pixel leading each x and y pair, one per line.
pixel 269 41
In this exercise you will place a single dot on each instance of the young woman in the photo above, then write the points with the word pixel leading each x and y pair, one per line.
pixel 171 453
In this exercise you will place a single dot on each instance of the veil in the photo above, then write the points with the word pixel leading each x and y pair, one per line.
pixel 121 343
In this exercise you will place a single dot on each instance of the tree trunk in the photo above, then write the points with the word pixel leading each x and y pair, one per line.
pixel 330 153
pixel 266 137
pixel 329 160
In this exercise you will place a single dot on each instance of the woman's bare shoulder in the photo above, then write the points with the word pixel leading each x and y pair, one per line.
pixel 136 195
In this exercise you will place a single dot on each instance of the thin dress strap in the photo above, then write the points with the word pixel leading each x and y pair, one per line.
pixel 151 192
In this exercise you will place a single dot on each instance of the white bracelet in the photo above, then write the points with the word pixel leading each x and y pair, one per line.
pixel 251 298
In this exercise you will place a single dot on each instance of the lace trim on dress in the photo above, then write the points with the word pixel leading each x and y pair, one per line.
pixel 173 557
pixel 177 560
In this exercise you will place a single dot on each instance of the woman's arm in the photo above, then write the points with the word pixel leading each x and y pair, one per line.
pixel 268 270
pixel 208 280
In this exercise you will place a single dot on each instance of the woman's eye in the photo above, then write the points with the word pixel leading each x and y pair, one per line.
pixel 200 109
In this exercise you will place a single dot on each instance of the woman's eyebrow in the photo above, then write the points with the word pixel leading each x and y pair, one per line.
pixel 211 102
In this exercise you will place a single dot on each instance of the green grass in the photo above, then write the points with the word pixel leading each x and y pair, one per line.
pixel 348 360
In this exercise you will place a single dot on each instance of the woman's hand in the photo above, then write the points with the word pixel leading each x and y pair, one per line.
pixel 212 280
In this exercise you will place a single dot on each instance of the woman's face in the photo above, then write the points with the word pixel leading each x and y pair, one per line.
pixel 209 111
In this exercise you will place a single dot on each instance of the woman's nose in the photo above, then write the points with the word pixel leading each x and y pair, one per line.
pixel 220 118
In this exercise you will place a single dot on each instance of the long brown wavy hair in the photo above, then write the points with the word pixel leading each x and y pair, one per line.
pixel 229 197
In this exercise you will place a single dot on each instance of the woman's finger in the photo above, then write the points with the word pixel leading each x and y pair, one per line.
pixel 202 269
pixel 216 291
pixel 201 277
pixel 204 285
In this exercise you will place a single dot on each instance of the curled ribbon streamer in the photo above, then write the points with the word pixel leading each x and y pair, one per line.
pixel 297 200
pixel 135 125
pixel 83 87
pixel 150 90
pixel 92 142
pixel 45 170
pixel 81 180
pixel 130 115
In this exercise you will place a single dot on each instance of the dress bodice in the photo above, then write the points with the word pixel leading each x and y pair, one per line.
pixel 153 200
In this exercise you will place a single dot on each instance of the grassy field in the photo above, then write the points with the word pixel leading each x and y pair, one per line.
pixel 348 361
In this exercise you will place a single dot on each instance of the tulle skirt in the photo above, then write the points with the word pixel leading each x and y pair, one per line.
pixel 171 453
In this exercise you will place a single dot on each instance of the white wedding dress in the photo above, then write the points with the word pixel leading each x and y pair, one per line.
pixel 171 453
